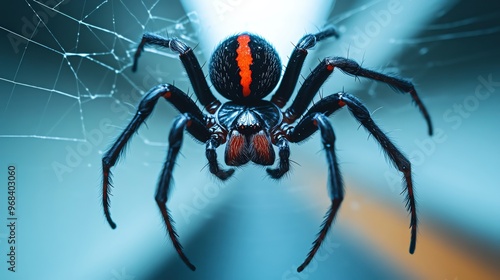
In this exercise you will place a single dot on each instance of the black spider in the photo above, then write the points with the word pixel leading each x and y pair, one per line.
pixel 245 68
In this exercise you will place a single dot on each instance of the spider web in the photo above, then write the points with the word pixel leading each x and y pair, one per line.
pixel 62 55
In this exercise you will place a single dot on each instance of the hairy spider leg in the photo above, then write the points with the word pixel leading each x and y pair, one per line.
pixel 295 63
pixel 318 76
pixel 331 103
pixel 284 163
pixel 327 106
pixel 308 125
pixel 181 123
pixel 179 100
pixel 213 164
pixel 191 64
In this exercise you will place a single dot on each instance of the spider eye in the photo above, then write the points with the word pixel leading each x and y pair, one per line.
pixel 245 67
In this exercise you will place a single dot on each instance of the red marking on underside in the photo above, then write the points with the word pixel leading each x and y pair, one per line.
pixel 167 94
pixel 341 103
pixel 244 60
pixel 236 146
pixel 262 147
pixel 329 67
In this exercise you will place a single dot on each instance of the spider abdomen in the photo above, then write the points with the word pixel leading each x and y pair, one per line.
pixel 245 67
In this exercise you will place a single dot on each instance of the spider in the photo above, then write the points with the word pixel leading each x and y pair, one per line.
pixel 245 68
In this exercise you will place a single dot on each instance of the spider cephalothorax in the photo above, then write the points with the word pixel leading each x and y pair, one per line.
pixel 245 68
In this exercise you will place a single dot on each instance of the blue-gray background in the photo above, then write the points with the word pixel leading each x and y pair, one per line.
pixel 66 90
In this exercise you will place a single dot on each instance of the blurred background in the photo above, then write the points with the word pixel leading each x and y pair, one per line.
pixel 66 91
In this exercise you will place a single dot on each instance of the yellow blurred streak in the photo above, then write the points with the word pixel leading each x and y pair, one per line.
pixel 387 231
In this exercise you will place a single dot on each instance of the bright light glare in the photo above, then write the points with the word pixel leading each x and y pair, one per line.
pixel 281 22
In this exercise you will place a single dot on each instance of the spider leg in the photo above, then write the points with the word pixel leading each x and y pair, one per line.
pixel 181 123
pixel 213 164
pixel 180 100
pixel 318 76
pixel 309 124
pixel 292 72
pixel 331 103
pixel 284 164
pixel 191 64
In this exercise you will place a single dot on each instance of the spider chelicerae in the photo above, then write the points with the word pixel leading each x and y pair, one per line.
pixel 245 68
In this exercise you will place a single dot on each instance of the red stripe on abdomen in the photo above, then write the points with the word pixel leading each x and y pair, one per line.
pixel 244 60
